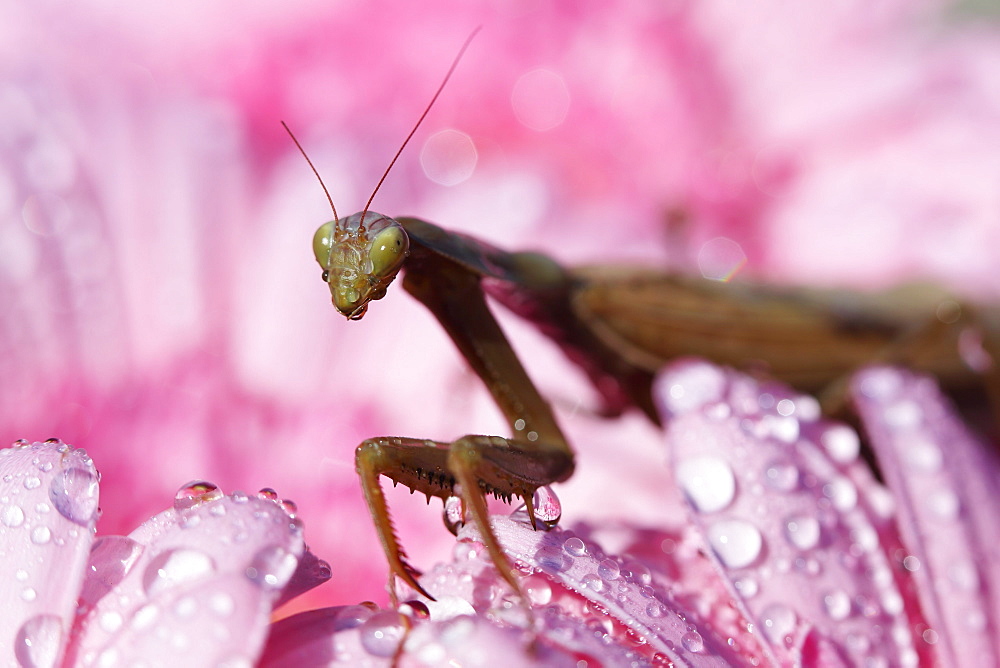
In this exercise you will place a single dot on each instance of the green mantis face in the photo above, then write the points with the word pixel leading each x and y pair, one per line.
pixel 360 256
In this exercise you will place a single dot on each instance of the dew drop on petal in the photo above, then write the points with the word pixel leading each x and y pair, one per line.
pixel 592 582
pixel 902 414
pixel 267 494
pixel 548 510
pixel 802 531
pixel 537 589
pixel 944 504
pixel 552 559
pixel 842 492
pixel 737 543
pixel 12 516
pixel 841 443
pixel 575 547
pixel 609 570
pixel 837 605
pixel 747 587
pixel 196 492
pixel 239 496
pixel 693 386
pixel 923 456
pixel 173 567
pixel 74 493
pixel 272 567
pixel 693 642
pixel 41 535
pixel 778 622
pixel 31 482
pixel 708 482
pixel 39 642
pixel 381 634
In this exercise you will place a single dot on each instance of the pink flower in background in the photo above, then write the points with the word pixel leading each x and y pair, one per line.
pixel 160 306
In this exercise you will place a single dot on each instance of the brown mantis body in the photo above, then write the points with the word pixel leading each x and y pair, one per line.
pixel 620 326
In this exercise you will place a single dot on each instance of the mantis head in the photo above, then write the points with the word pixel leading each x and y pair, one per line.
pixel 360 256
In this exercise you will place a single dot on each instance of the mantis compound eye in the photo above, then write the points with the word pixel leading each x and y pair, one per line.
pixel 388 250
pixel 323 242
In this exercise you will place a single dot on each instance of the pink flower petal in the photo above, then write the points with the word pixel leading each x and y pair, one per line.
pixel 197 582
pixel 584 600
pixel 791 520
pixel 946 485
pixel 48 510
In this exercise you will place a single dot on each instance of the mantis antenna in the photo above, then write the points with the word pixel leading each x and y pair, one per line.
pixel 406 141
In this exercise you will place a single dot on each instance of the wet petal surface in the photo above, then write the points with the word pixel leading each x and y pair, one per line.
pixel 48 510
pixel 946 483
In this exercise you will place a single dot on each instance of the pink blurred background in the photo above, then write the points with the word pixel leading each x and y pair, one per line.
pixel 159 305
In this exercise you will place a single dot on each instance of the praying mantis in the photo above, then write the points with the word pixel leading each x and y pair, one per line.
pixel 619 325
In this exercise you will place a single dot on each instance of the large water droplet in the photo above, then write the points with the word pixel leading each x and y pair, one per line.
pixel 382 633
pixel 708 482
pixel 39 642
pixel 174 567
pixel 552 559
pixel 548 510
pixel 842 492
pixel 841 443
pixel 537 589
pixel 609 570
pixel 575 547
pixel 693 642
pixel 454 514
pixel 837 604
pixel 12 516
pixel 737 543
pixel 802 531
pixel 272 567
pixel 779 623
pixel 693 386
pixel 41 535
pixel 74 492
pixel 194 493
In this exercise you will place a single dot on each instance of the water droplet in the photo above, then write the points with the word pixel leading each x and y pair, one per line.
pixel 737 543
pixel 781 476
pixel 110 621
pixel 195 493
pixel 548 510
pixel 173 567
pixel 289 507
pixel 708 483
pixel 31 482
pixel 693 642
pixel 592 582
pixel 552 559
pixel 693 386
pixel 842 492
pixel 381 634
pixel 575 547
pixel 454 514
pixel 880 384
pixel 911 563
pixel 779 623
pixel 74 492
pixel 41 535
pixel 609 570
pixel 39 642
pixel 28 594
pixel 841 443
pixel 655 609
pixel 944 504
pixel 272 567
pixel 267 494
pixel 12 516
pixel 922 456
pixel 802 531
pixel 902 414
pixel 837 605
pixel 748 587
pixel 239 496
pixel 537 589
pixel 415 610
pixel 221 604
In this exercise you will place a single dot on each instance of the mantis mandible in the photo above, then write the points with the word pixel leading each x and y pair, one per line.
pixel 619 325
